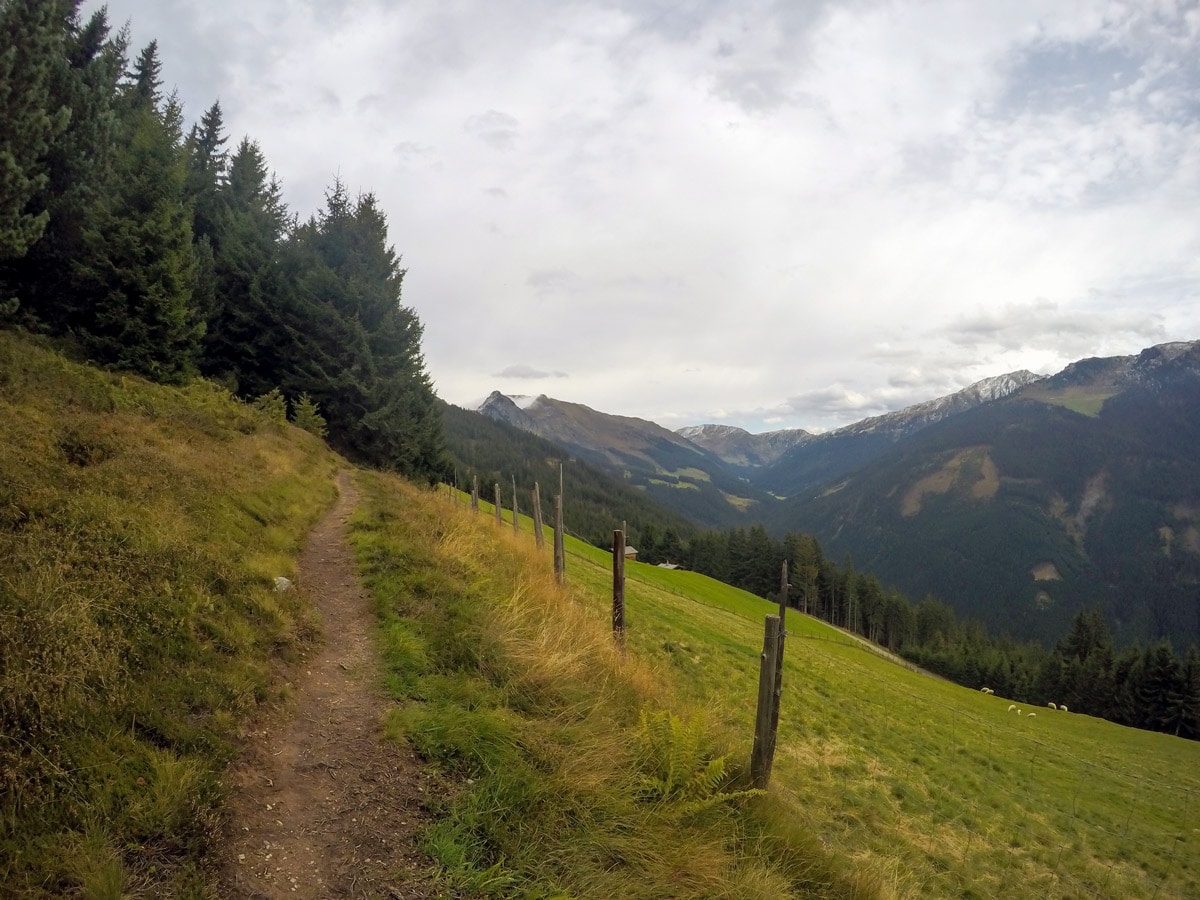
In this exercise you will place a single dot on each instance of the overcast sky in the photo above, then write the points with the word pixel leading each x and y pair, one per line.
pixel 768 214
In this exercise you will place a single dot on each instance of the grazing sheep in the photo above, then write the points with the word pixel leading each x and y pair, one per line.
pixel 1011 707
pixel 1019 713
pixel 1063 707
pixel 986 690
pixel 1051 705
pixel 1032 714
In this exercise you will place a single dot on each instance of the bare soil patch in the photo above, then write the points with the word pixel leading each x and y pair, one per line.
pixel 320 804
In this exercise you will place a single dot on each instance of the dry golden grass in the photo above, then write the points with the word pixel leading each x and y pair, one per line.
pixel 587 774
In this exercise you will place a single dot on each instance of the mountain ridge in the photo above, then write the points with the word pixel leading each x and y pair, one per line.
pixel 1019 499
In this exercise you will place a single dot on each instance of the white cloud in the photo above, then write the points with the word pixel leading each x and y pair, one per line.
pixel 520 370
pixel 794 214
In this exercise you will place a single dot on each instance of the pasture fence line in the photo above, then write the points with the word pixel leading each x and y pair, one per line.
pixel 1066 844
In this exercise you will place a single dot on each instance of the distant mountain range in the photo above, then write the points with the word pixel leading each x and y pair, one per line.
pixel 1018 500
pixel 667 467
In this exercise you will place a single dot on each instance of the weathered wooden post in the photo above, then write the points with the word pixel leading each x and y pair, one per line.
pixel 475 493
pixel 777 696
pixel 496 504
pixel 537 517
pixel 770 690
pixel 560 550
pixel 763 752
pixel 618 606
pixel 516 517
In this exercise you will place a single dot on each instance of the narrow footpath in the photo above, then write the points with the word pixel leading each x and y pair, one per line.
pixel 320 805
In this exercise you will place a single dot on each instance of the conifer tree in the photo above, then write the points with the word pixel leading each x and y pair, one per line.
pixel 207 163
pixel 139 268
pixel 79 166
pixel 248 342
pixel 1159 691
pixel 31 50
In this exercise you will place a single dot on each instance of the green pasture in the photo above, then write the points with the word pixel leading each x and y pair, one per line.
pixel 942 786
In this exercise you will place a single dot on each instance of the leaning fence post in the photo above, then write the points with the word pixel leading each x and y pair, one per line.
pixel 560 553
pixel 516 519
pixel 763 752
pixel 537 517
pixel 777 693
pixel 618 605
pixel 497 503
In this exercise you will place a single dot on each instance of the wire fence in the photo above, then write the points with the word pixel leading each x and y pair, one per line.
pixel 1036 817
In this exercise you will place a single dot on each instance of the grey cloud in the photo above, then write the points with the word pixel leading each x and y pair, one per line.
pixel 520 370
pixel 372 103
pixel 496 129
pixel 755 89
pixel 835 400
pixel 549 281
pixel 669 19
pixel 498 192
pixel 1043 325
pixel 411 150
pixel 931 160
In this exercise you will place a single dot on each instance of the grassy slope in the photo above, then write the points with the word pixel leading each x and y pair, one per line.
pixel 140 530
pixel 930 789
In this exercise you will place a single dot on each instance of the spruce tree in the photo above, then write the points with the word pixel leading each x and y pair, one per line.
pixel 248 343
pixel 207 163
pixel 1189 715
pixel 79 166
pixel 138 271
pixel 1159 691
pixel 31 55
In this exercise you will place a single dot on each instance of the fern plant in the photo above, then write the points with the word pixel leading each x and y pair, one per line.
pixel 675 770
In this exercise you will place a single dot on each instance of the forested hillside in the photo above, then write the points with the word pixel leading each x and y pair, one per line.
pixel 155 248
pixel 495 452
pixel 669 469
pixel 1081 491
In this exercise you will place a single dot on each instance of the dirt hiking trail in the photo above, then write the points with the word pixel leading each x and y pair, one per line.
pixel 320 805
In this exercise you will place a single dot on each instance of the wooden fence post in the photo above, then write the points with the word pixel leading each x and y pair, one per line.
pixel 516 519
pixel 763 752
pixel 475 493
pixel 618 606
pixel 560 551
pixel 537 517
pixel 777 694
pixel 497 503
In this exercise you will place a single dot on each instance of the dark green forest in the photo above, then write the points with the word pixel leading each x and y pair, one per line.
pixel 147 246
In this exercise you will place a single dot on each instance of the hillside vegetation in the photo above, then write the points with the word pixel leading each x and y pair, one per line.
pixel 141 528
pixel 587 767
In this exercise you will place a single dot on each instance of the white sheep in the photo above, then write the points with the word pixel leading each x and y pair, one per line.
pixel 1051 705
pixel 1011 707
pixel 1032 714
pixel 1019 713
pixel 1063 707
pixel 986 690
